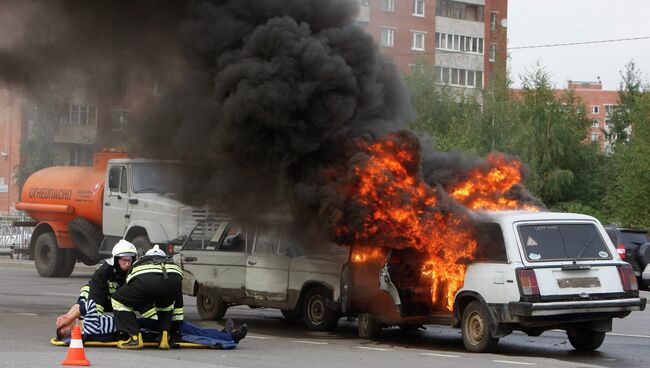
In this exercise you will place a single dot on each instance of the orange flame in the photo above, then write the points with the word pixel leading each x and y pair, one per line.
pixel 486 190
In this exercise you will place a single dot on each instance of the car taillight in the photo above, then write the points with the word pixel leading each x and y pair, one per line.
pixel 528 282
pixel 627 278
pixel 621 251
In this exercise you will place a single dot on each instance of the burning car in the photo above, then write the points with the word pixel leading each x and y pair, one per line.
pixel 531 271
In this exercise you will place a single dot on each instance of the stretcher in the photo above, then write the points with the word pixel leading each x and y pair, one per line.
pixel 184 345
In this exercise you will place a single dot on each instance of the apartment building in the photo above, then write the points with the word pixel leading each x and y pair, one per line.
pixel 10 134
pixel 599 104
pixel 465 41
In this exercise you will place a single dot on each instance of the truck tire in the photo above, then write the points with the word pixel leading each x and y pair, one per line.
pixel 291 315
pixel 367 326
pixel 316 314
pixel 87 261
pixel 142 244
pixel 583 339
pixel 85 237
pixel 48 257
pixel 475 327
pixel 209 305
pixel 70 259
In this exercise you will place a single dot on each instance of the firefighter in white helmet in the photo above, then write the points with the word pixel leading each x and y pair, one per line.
pixel 153 279
pixel 110 276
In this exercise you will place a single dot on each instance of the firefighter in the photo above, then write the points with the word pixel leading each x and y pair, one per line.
pixel 110 276
pixel 153 279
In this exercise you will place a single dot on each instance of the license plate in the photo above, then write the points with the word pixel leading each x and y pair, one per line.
pixel 578 282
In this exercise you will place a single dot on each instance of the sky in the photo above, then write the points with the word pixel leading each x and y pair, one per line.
pixel 562 21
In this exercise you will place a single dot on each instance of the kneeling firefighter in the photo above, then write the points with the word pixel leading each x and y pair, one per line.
pixel 153 279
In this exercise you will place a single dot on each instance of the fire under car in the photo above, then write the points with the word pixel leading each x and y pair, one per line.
pixel 532 271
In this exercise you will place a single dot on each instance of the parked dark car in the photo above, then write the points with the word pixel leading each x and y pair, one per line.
pixel 633 245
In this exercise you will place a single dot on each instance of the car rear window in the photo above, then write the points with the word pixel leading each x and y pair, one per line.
pixel 560 242
pixel 630 238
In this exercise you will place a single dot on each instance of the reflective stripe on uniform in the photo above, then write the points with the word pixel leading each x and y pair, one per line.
pixel 85 290
pixel 178 314
pixel 149 313
pixel 165 309
pixel 112 286
pixel 117 306
pixel 154 268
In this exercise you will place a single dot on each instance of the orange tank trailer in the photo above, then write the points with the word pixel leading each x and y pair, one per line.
pixel 62 193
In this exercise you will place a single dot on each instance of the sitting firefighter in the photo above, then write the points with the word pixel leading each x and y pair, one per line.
pixel 153 279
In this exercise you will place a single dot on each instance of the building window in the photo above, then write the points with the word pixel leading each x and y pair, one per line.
pixel 493 21
pixel 595 110
pixel 459 10
pixel 493 52
pixel 609 109
pixel 459 77
pixel 594 123
pixel 79 114
pixel 445 41
pixel 418 41
pixel 594 137
pixel 608 123
pixel 388 5
pixel 387 37
pixel 418 8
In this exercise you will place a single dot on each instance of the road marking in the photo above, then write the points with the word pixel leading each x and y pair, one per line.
pixel 259 337
pixel 367 348
pixel 441 355
pixel 628 335
pixel 27 314
pixel 513 362
pixel 61 294
pixel 311 342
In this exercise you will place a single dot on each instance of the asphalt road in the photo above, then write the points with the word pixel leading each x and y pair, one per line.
pixel 29 305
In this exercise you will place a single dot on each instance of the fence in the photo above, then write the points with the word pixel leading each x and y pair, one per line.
pixel 14 240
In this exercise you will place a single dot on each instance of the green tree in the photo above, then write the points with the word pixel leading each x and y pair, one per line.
pixel 629 91
pixel 628 197
pixel 551 139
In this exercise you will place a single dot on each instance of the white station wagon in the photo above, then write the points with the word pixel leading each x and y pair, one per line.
pixel 533 271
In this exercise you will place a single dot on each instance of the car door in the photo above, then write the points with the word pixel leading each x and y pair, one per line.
pixel 115 218
pixel 267 267
pixel 215 254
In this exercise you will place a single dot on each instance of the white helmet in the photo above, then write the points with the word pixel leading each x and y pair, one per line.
pixel 124 248
pixel 155 251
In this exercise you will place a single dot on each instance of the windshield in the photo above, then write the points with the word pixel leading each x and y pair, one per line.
pixel 156 178
pixel 561 242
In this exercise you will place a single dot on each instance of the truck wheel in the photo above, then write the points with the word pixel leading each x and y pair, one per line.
pixel 49 259
pixel 476 330
pixel 85 236
pixel 291 315
pixel 367 326
pixel 316 314
pixel 210 305
pixel 142 244
pixel 583 339
pixel 70 259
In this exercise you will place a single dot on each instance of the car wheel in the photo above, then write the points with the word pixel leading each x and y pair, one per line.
pixel 291 315
pixel 476 330
pixel 316 314
pixel 583 339
pixel 209 305
pixel 142 244
pixel 367 326
pixel 48 257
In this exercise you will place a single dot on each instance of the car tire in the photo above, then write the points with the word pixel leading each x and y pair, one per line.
pixel 291 315
pixel 367 326
pixel 48 257
pixel 317 316
pixel 142 244
pixel 583 339
pixel 475 327
pixel 209 305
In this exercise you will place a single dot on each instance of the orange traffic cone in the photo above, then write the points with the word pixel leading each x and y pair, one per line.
pixel 76 355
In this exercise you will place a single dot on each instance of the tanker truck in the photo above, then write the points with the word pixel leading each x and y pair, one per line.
pixel 81 212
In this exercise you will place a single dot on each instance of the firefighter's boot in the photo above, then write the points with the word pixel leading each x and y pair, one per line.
pixel 134 342
pixel 164 341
